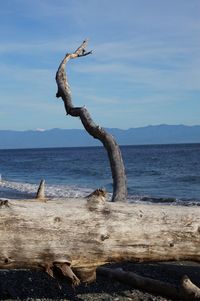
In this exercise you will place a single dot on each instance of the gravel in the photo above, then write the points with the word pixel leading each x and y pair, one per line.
pixel 36 285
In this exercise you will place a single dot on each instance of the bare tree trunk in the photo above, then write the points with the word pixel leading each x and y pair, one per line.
pixel 113 150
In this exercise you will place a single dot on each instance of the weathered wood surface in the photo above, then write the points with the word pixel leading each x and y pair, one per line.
pixel 113 150
pixel 88 234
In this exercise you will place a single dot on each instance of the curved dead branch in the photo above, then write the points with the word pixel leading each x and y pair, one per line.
pixel 114 153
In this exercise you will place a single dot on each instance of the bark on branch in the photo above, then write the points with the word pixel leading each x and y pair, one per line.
pixel 113 150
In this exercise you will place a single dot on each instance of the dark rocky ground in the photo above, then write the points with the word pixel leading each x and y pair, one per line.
pixel 36 285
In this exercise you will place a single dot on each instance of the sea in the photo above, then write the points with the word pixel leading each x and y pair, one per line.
pixel 166 174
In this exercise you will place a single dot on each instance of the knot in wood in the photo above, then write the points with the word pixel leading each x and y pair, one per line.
pixel 86 274
pixel 8 260
pixel 57 219
pixel 105 236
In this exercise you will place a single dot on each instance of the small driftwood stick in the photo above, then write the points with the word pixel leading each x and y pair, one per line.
pixel 40 195
pixel 113 150
pixel 186 291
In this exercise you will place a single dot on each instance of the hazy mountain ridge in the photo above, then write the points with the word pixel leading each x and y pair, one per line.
pixel 158 134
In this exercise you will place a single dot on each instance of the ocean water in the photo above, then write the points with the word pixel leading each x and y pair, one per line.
pixel 155 173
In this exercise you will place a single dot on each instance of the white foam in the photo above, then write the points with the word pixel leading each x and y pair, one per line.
pixel 15 189
pixel 50 190
pixel 55 191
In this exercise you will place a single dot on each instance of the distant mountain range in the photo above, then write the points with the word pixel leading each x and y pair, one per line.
pixel 158 134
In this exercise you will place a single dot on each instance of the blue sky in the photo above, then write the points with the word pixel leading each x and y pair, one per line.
pixel 145 68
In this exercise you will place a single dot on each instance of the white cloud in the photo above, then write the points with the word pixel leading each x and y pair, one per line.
pixel 40 130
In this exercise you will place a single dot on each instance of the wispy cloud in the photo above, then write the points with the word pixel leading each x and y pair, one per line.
pixel 34 46
pixel 146 57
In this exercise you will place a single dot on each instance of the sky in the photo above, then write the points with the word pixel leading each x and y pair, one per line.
pixel 144 70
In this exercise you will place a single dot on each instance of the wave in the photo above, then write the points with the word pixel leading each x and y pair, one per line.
pixel 18 190
pixel 163 200
pixel 190 179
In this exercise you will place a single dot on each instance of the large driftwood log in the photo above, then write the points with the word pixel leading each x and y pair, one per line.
pixel 113 150
pixel 84 234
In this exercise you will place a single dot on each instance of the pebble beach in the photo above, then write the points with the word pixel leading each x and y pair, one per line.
pixel 36 285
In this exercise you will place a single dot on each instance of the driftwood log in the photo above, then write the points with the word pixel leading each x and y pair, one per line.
pixel 186 291
pixel 97 132
pixel 83 234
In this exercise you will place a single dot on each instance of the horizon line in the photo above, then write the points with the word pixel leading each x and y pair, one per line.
pixel 56 128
